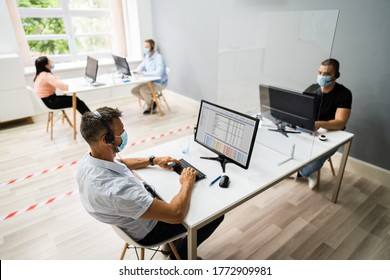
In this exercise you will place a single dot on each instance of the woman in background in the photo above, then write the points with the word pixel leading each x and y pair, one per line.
pixel 45 85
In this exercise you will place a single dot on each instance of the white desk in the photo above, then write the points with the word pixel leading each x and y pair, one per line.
pixel 209 203
pixel 78 85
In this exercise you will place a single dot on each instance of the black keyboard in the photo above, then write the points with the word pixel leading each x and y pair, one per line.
pixel 178 169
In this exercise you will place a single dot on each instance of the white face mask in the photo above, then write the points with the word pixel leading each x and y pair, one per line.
pixel 324 81
pixel 147 51
pixel 124 141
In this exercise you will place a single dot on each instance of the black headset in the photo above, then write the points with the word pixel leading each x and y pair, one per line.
pixel 109 137
pixel 337 74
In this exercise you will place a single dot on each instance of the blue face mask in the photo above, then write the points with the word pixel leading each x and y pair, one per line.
pixel 146 51
pixel 52 66
pixel 324 81
pixel 124 141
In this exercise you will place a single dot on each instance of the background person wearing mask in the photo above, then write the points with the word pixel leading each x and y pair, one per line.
pixel 45 85
pixel 335 102
pixel 152 65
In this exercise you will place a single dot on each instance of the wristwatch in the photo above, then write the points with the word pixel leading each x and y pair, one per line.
pixel 151 160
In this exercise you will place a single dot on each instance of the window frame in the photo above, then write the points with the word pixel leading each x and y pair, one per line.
pixel 67 14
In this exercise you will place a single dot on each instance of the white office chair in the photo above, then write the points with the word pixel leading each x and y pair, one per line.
pixel 131 242
pixel 51 112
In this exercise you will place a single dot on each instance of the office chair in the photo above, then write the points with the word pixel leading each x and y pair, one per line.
pixel 51 112
pixel 131 242
pixel 160 94
pixel 319 173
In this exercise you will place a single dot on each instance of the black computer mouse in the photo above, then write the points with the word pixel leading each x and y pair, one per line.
pixel 224 181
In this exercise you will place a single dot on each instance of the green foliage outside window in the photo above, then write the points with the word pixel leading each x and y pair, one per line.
pixel 45 26
pixel 81 27
pixel 38 3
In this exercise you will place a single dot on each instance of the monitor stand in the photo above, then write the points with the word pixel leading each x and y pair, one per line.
pixel 124 76
pixel 222 161
pixel 281 127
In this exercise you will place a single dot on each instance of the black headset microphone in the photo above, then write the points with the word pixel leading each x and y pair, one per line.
pixel 109 138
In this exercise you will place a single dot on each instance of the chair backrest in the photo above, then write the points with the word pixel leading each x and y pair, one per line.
pixel 37 99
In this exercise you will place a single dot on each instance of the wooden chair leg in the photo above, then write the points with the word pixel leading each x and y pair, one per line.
pixel 48 121
pixel 142 254
pixel 318 179
pixel 331 166
pixel 64 115
pixel 51 125
pixel 166 103
pixel 174 250
pixel 124 251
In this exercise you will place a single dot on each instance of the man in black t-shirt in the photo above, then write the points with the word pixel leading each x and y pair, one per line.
pixel 335 102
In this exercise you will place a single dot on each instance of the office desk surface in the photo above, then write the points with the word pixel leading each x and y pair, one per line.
pixel 264 171
pixel 81 85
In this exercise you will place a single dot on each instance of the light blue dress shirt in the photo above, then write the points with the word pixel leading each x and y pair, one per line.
pixel 112 194
pixel 154 66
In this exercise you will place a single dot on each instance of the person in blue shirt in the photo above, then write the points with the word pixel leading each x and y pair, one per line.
pixel 152 65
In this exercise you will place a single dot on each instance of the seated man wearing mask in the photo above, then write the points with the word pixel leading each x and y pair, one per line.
pixel 152 65
pixel 335 103
pixel 112 194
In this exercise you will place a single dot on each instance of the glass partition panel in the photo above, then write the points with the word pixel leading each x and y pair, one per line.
pixel 268 59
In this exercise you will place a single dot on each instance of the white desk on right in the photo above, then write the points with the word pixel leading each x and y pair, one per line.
pixel 209 203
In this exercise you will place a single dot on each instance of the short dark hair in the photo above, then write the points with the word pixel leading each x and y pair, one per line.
pixel 333 62
pixel 93 127
pixel 40 66
pixel 151 43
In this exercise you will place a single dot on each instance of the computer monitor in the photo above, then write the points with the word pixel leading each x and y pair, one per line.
pixel 92 69
pixel 229 134
pixel 121 65
pixel 292 109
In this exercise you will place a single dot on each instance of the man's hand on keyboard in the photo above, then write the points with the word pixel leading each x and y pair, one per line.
pixel 187 177
pixel 163 162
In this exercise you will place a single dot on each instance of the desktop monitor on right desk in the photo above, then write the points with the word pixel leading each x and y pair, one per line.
pixel 291 108
pixel 121 65
pixel 229 134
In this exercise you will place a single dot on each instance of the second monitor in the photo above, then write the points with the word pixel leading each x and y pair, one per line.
pixel 291 108
pixel 122 66
pixel 91 71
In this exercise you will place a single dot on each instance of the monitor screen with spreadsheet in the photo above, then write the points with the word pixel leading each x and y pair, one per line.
pixel 228 133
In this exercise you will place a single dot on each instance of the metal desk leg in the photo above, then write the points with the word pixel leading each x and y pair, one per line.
pixel 155 99
pixel 340 174
pixel 74 106
pixel 191 243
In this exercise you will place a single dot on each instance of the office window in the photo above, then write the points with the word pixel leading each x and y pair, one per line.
pixel 67 30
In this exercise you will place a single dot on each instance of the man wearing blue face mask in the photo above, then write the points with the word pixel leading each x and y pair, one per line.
pixel 335 102
pixel 152 65
pixel 111 193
